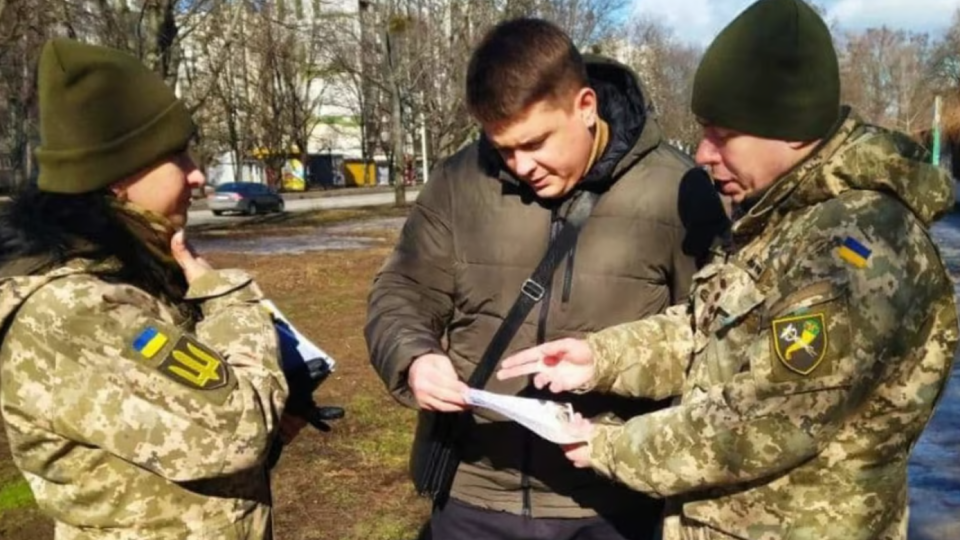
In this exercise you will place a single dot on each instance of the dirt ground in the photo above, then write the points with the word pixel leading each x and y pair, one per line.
pixel 350 484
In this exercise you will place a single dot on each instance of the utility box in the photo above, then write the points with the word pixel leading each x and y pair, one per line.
pixel 360 173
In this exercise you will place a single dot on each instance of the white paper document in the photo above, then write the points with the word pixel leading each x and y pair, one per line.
pixel 304 347
pixel 545 418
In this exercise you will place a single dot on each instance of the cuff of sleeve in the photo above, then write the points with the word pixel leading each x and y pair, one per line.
pixel 219 283
pixel 601 448
pixel 625 460
pixel 603 376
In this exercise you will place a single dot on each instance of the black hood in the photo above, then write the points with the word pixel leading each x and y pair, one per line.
pixel 623 105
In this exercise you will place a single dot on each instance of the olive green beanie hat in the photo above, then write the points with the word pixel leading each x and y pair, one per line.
pixel 772 73
pixel 103 117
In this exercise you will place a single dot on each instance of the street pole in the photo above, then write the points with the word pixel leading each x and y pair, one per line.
pixel 936 132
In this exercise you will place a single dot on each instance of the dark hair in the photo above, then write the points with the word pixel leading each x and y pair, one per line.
pixel 518 63
pixel 53 228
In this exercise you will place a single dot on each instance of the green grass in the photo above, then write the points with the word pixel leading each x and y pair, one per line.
pixel 386 527
pixel 16 495
pixel 392 434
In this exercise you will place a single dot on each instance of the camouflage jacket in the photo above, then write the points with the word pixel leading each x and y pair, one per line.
pixel 807 361
pixel 130 424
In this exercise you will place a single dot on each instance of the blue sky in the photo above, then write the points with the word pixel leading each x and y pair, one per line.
pixel 699 21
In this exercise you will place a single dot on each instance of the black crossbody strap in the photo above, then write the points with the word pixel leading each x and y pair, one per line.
pixel 534 288
pixel 435 458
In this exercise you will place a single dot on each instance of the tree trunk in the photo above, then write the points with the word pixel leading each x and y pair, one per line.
pixel 369 98
pixel 396 139
pixel 396 118
pixel 22 132
pixel 159 27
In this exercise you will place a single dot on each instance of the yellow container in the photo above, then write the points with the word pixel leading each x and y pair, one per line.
pixel 354 171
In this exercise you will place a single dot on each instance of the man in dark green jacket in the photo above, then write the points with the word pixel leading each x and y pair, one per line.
pixel 553 125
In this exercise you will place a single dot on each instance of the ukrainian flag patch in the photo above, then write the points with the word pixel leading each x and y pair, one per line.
pixel 854 252
pixel 149 342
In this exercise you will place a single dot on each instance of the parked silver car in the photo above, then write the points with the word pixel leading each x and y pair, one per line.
pixel 244 197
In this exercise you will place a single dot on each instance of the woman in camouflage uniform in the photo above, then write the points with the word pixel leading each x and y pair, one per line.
pixel 140 388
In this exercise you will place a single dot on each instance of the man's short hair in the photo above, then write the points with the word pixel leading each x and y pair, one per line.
pixel 518 63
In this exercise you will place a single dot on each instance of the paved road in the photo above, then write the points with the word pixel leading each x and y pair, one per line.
pixel 202 217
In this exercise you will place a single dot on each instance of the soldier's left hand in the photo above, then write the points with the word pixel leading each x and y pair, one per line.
pixel 579 453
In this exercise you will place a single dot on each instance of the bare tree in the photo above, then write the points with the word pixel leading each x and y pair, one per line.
pixel 214 82
pixel 913 84
pixel 406 77
pixel 23 29
pixel 299 70
pixel 667 67
pixel 152 30
pixel 588 22
pixel 946 57
pixel 886 76
pixel 945 71
pixel 407 60
pixel 156 31
pixel 394 38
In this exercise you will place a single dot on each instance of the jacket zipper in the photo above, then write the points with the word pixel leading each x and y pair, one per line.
pixel 527 508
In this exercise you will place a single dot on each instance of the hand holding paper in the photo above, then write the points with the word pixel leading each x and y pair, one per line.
pixel 435 384
pixel 579 453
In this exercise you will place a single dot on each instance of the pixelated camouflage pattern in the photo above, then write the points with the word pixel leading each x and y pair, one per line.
pixel 753 449
pixel 112 448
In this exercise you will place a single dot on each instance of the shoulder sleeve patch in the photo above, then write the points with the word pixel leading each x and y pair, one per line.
pixel 808 331
pixel 190 363
pixel 854 252
pixel 181 358
pixel 149 342
pixel 800 341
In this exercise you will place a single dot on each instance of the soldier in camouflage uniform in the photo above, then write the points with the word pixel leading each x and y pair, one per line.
pixel 140 388
pixel 815 345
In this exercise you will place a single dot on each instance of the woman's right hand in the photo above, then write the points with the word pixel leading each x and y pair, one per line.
pixel 193 265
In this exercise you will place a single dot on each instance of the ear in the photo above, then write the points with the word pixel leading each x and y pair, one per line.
pixel 585 105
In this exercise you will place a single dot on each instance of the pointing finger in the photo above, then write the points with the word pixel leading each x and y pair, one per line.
pixel 519 370
pixel 528 356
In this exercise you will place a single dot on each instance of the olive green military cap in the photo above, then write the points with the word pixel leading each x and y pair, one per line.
pixel 772 73
pixel 103 117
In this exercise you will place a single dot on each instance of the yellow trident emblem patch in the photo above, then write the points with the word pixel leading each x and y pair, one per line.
pixel 192 364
